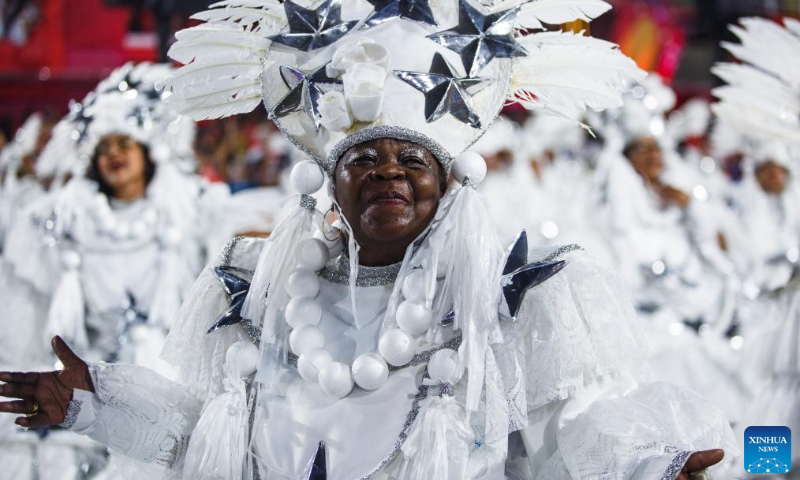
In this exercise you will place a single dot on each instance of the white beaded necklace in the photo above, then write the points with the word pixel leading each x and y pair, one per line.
pixel 397 346
pixel 110 225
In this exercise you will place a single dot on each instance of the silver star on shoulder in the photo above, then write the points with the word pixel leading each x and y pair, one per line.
pixel 310 29
pixel 445 92
pixel 480 38
pixel 385 10
pixel 305 90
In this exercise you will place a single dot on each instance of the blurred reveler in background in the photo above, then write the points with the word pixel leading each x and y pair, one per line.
pixel 760 102
pixel 105 258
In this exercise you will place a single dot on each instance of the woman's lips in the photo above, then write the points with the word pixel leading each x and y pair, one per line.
pixel 391 198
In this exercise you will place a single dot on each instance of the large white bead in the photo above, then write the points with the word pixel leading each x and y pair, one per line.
pixel 122 231
pixel 302 283
pixel 70 259
pixel 306 338
pixel 172 237
pixel 444 366
pixel 307 177
pixel 303 311
pixel 413 317
pixel 312 254
pixel 138 229
pixel 370 371
pixel 414 285
pixel 469 165
pixel 335 380
pixel 397 347
pixel 335 247
pixel 312 362
pixel 243 358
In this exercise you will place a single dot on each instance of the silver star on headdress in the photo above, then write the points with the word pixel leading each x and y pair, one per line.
pixel 445 92
pixel 305 90
pixel 480 38
pixel 417 10
pixel 310 29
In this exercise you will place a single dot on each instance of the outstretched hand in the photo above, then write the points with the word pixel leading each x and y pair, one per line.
pixel 45 394
pixel 699 461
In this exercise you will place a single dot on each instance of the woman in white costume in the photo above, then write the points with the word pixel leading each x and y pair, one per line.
pixel 761 103
pixel 100 260
pixel 292 379
pixel 658 234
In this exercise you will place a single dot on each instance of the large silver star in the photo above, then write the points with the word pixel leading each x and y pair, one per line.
pixel 305 90
pixel 310 29
pixel 385 10
pixel 480 38
pixel 445 92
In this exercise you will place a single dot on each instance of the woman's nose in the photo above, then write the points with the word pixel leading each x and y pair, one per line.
pixel 388 170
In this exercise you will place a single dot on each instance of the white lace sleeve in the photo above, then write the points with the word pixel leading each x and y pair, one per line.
pixel 577 328
pixel 146 417
pixel 646 433
pixel 142 415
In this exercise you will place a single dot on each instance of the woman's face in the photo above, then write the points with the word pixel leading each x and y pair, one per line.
pixel 388 190
pixel 772 177
pixel 120 161
pixel 646 158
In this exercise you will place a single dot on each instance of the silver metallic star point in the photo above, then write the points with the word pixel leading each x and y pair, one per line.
pixel 305 90
pixel 311 29
pixel 480 38
pixel 445 92
pixel 385 10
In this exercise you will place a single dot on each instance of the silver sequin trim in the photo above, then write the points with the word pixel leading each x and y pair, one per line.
pixel 563 250
pixel 73 409
pixel 227 251
pixel 367 276
pixel 675 466
pixel 308 202
pixel 422 393
pixel 399 133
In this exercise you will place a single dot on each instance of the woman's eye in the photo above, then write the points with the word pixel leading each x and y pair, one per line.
pixel 414 161
pixel 363 160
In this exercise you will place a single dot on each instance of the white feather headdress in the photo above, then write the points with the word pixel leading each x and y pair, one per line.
pixel 23 144
pixel 761 98
pixel 338 72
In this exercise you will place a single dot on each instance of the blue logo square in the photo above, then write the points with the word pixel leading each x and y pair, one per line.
pixel 767 450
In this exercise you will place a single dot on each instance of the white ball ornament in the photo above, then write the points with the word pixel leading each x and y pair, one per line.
pixel 302 283
pixel 70 259
pixel 413 317
pixel 139 229
pixel 312 254
pixel 444 366
pixel 312 362
pixel 397 347
pixel 370 371
pixel 243 358
pixel 414 285
pixel 335 380
pixel 335 247
pixel 306 338
pixel 303 311
pixel 121 231
pixel 307 177
pixel 469 165
pixel 172 236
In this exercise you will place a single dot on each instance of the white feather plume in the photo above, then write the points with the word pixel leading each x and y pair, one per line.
pixel 535 13
pixel 565 72
pixel 223 58
pixel 768 46
pixel 761 98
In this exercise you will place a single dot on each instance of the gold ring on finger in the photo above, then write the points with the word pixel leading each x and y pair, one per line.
pixel 34 412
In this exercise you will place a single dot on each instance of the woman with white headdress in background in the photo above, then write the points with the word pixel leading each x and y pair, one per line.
pixel 521 364
pixel 106 259
pixel 761 103
pixel 658 234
